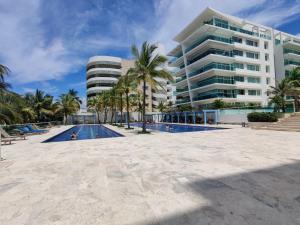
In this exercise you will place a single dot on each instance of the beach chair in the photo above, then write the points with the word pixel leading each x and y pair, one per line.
pixel 7 136
pixel 7 141
pixel 33 130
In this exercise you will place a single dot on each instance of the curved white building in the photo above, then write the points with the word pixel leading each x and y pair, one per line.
pixel 102 73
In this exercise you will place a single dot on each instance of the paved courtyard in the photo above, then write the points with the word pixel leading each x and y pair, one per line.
pixel 236 176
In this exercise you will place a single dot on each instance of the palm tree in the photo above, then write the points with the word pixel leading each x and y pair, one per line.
pixel 281 91
pixel 120 90
pixel 4 71
pixel 112 95
pixel 96 103
pixel 106 102
pixel 68 105
pixel 294 78
pixel 148 67
pixel 161 107
pixel 74 93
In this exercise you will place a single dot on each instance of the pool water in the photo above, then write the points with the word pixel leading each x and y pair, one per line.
pixel 175 128
pixel 85 132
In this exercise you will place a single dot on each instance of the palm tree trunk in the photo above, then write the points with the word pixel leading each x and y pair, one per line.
pixel 105 114
pixel 121 123
pixel 98 117
pixel 144 105
pixel 127 109
pixel 296 103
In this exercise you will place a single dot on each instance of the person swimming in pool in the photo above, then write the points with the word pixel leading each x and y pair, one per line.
pixel 73 136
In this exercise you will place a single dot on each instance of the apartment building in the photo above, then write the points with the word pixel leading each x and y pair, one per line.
pixel 219 56
pixel 103 73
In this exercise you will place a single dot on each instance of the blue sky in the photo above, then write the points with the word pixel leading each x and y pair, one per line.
pixel 46 43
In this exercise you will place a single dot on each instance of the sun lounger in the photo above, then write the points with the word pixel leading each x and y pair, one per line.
pixel 26 130
pixel 7 136
pixel 32 129
pixel 7 140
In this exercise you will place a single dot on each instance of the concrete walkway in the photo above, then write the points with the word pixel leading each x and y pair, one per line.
pixel 237 176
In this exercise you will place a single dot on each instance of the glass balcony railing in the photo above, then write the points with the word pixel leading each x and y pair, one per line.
pixel 181 79
pixel 226 25
pixel 183 100
pixel 211 51
pixel 290 62
pixel 214 65
pixel 182 90
pixel 285 51
pixel 217 93
pixel 214 80
pixel 209 37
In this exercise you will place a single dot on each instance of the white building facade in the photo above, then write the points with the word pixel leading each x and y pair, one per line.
pixel 102 73
pixel 223 57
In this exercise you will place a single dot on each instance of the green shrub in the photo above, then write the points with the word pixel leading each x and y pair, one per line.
pixel 262 117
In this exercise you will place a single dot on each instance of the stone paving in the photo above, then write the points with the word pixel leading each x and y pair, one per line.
pixel 234 176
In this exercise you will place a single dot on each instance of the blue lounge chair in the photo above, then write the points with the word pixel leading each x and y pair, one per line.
pixel 32 129
pixel 26 130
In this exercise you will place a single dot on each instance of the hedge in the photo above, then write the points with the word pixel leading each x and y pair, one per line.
pixel 262 117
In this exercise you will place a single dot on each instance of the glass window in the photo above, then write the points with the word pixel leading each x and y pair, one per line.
pixel 238 53
pixel 267 57
pixel 252 55
pixel 267 69
pixel 237 39
pixel 239 78
pixel 253 67
pixel 241 92
pixel 251 43
pixel 268 80
pixel 239 66
pixel 253 80
pixel 266 45
pixel 254 92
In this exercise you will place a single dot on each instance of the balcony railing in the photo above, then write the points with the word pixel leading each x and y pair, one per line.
pixel 286 51
pixel 211 51
pixel 217 93
pixel 209 37
pixel 213 65
pixel 290 62
pixel 183 100
pixel 214 80
pixel 181 79
pixel 182 90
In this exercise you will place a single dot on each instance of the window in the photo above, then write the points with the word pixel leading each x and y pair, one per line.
pixel 267 69
pixel 254 92
pixel 266 45
pixel 253 80
pixel 239 78
pixel 239 66
pixel 267 57
pixel 237 39
pixel 241 92
pixel 268 80
pixel 252 55
pixel 253 67
pixel 252 43
pixel 238 53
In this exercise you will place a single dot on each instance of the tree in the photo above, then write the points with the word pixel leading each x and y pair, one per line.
pixel 68 105
pixel 161 107
pixel 4 71
pixel 148 67
pixel 74 94
pixel 294 78
pixel 281 91
pixel 96 103
pixel 218 104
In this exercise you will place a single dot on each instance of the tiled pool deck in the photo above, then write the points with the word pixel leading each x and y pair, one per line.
pixel 233 176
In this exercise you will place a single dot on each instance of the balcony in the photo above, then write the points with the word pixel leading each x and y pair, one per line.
pixel 226 25
pixel 211 51
pixel 181 90
pixel 213 65
pixel 209 37
pixel 217 93
pixel 214 80
pixel 293 63
pixel 182 101
pixel 180 79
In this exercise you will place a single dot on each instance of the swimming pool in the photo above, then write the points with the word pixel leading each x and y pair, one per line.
pixel 175 128
pixel 85 132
